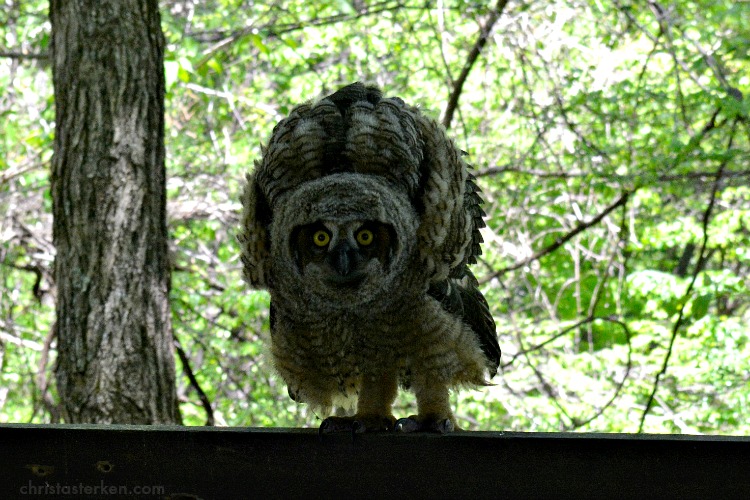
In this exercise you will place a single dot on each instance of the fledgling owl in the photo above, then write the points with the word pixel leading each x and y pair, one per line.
pixel 361 219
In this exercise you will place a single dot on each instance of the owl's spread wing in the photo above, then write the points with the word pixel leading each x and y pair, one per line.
pixel 463 299
pixel 352 130
pixel 459 293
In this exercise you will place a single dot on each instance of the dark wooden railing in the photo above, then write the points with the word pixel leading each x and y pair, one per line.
pixel 74 461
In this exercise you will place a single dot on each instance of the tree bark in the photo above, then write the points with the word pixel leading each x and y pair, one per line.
pixel 115 353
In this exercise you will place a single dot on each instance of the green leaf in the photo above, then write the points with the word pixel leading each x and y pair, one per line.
pixel 257 41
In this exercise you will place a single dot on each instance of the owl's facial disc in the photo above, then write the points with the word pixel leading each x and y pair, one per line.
pixel 342 254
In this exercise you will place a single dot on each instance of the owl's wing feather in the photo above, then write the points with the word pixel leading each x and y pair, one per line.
pixel 254 238
pixel 477 315
pixel 472 204
pixel 463 299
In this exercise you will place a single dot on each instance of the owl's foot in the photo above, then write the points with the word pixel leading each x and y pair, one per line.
pixel 430 424
pixel 357 424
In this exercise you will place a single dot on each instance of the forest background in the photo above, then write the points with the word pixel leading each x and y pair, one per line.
pixel 610 138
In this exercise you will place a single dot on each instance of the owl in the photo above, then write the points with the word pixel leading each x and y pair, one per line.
pixel 361 219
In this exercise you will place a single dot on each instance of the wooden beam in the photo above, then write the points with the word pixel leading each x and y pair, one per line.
pixel 200 462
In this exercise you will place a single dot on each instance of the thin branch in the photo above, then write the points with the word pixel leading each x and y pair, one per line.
pixel 205 402
pixel 546 387
pixel 702 258
pixel 629 365
pixel 458 85
pixel 710 126
pixel 17 170
pixel 279 29
pixel 562 240
pixel 21 55
pixel 6 336
pixel 621 383
pixel 666 22
pixel 42 383
pixel 485 172
pixel 542 174
pixel 556 336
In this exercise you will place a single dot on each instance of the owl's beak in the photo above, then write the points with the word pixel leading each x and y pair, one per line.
pixel 344 260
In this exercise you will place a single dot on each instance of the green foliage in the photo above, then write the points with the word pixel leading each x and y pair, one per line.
pixel 569 106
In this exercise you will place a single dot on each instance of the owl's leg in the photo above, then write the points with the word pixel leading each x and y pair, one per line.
pixel 374 406
pixel 434 410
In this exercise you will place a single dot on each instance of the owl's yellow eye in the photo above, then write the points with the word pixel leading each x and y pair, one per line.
pixel 365 237
pixel 321 238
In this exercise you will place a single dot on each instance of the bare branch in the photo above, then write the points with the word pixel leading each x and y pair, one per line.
pixel 621 383
pixel 556 336
pixel 227 39
pixel 562 240
pixel 687 176
pixel 205 402
pixel 458 85
pixel 702 258
pixel 21 55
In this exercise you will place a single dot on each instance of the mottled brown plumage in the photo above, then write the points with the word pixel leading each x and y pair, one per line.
pixel 361 219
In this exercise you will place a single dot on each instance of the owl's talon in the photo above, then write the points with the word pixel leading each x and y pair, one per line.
pixel 444 426
pixel 407 425
pixel 414 424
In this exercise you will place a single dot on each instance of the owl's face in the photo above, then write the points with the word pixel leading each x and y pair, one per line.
pixel 342 241
pixel 343 255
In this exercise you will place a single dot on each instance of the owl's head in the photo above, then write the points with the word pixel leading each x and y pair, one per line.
pixel 358 132
pixel 342 240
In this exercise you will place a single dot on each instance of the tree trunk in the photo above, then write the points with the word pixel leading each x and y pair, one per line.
pixel 115 353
